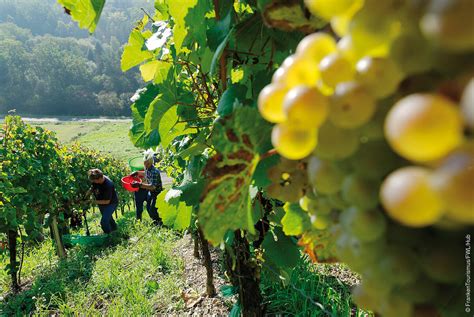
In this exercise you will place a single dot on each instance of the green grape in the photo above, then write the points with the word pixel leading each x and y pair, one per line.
pixel 374 160
pixel 335 68
pixel 304 202
pixel 396 306
pixel 444 262
pixel 453 180
pixel 316 46
pixel 284 193
pixel 467 104
pixel 423 127
pixel 408 198
pixel 356 254
pixel 274 174
pixel 336 143
pixel 365 225
pixel 324 177
pixel 363 299
pixel 380 75
pixel 412 53
pixel 328 8
pixel 270 103
pixel 293 142
pixel 360 192
pixel 422 290
pixel 337 201
pixel 400 265
pixel 306 106
pixel 352 105
pixel 450 24
pixel 319 222
pixel 321 206
pixel 297 70
pixel 373 130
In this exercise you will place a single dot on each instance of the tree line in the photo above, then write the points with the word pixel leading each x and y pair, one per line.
pixel 48 66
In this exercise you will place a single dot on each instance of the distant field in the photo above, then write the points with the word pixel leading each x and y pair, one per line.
pixel 108 136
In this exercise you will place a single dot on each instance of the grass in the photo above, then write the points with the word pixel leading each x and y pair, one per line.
pixel 139 276
pixel 309 292
pixel 108 137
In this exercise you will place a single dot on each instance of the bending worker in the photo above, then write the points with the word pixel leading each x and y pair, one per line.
pixel 149 188
pixel 105 197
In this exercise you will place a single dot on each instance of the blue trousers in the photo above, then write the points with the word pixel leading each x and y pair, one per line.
pixel 107 221
pixel 143 195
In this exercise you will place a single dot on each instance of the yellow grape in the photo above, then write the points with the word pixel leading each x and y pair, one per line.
pixel 306 106
pixel 336 143
pixel 296 71
pixel 294 142
pixel 380 75
pixel 454 181
pixel 340 23
pixel 270 102
pixel 408 198
pixel 467 104
pixel 450 24
pixel 315 46
pixel 423 127
pixel 371 33
pixel 352 105
pixel 335 68
pixel 328 8
pixel 346 48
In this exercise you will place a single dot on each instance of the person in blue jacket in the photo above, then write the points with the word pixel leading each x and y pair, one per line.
pixel 105 197
pixel 149 188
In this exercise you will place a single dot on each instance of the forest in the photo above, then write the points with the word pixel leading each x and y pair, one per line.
pixel 49 66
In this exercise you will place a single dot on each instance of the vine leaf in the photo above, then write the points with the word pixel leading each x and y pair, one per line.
pixel 178 9
pixel 225 202
pixel 133 53
pixel 281 252
pixel 176 215
pixel 169 127
pixel 232 96
pixel 85 12
pixel 296 220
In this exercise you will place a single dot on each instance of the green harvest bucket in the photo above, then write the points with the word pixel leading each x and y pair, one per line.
pixel 136 163
pixel 96 240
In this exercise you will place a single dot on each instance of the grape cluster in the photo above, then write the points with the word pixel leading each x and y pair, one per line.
pixel 384 119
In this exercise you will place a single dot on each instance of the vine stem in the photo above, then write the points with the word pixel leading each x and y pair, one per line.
pixel 222 61
pixel 268 154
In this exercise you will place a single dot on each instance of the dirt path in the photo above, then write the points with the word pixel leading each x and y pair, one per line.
pixel 194 294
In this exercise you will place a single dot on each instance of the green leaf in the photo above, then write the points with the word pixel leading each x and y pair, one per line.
pixel 155 70
pixel 219 50
pixel 85 12
pixel 217 34
pixel 177 216
pixel 260 177
pixel 280 250
pixel 230 97
pixel 169 127
pixel 133 53
pixel 178 9
pixel 296 220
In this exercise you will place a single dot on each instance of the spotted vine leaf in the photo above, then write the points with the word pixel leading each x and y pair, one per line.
pixel 225 202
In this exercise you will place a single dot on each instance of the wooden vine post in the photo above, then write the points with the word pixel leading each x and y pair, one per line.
pixel 57 238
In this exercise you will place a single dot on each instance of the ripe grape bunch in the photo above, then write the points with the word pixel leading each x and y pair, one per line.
pixel 382 115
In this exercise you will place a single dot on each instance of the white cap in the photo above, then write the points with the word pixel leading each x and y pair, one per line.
pixel 148 155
